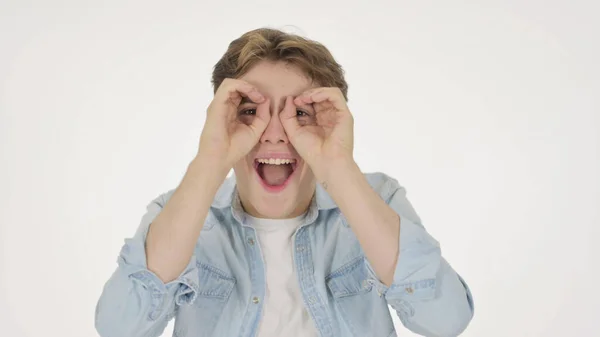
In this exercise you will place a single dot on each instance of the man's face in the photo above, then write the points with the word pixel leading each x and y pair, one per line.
pixel 273 181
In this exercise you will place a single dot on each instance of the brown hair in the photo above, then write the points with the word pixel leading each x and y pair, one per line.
pixel 266 44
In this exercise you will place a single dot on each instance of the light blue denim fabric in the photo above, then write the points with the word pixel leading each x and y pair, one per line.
pixel 220 292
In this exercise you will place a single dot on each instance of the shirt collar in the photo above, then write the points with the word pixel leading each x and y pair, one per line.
pixel 227 196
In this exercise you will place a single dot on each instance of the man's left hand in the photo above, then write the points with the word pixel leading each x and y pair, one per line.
pixel 320 126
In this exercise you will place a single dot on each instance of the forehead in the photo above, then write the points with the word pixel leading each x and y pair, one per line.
pixel 278 79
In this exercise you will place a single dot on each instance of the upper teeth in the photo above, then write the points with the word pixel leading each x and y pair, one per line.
pixel 275 161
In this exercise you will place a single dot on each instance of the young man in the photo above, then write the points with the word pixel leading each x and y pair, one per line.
pixel 299 242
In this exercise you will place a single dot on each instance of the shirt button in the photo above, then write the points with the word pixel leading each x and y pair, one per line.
pixel 409 290
pixel 300 248
pixel 311 300
pixel 251 241
pixel 255 300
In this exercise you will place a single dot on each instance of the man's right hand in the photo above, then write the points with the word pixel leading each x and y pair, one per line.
pixel 235 121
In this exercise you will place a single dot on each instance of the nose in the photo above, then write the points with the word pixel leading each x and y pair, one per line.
pixel 274 133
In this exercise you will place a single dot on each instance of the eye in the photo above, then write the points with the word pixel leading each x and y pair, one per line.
pixel 300 113
pixel 248 112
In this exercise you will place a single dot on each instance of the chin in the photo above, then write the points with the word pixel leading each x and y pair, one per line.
pixel 285 198
pixel 278 201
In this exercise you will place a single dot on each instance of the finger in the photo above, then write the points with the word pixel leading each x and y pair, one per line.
pixel 305 97
pixel 261 120
pixel 233 90
pixel 319 95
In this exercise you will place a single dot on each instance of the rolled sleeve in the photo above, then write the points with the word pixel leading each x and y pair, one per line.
pixel 429 297
pixel 183 289
pixel 135 301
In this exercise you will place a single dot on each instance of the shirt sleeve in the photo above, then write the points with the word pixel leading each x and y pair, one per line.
pixel 429 297
pixel 134 301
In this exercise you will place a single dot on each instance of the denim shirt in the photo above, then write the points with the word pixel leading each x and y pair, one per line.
pixel 220 292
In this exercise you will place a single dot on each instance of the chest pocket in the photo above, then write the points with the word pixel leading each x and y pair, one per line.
pixel 200 318
pixel 363 310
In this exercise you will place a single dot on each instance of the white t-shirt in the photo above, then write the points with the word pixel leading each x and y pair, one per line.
pixel 284 313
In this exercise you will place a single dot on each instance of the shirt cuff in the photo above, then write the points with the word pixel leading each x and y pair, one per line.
pixel 417 267
pixel 183 290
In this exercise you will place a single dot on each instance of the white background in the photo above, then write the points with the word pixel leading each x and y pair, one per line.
pixel 487 112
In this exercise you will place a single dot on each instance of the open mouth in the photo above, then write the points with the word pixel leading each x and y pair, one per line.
pixel 275 174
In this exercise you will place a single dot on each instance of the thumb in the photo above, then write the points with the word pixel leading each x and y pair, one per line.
pixel 261 120
pixel 289 119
